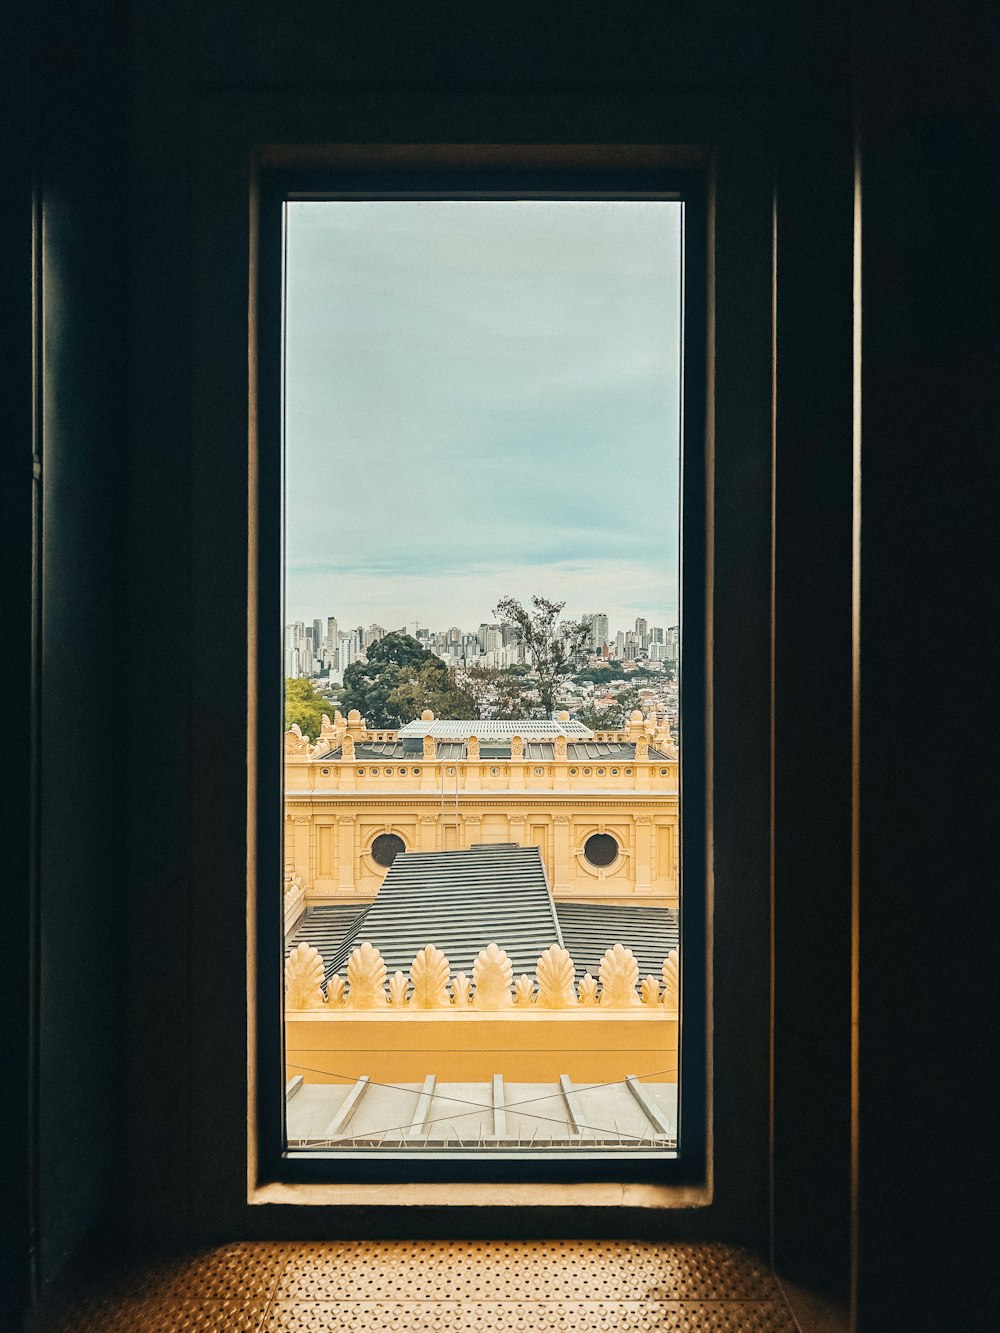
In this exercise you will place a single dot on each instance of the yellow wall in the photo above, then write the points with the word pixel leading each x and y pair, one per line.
pixel 589 1046
pixel 336 808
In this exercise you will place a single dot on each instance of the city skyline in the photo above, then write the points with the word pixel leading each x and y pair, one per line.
pixel 482 400
pixel 325 644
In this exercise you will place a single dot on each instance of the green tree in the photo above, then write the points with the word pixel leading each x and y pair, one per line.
pixel 554 650
pixel 504 693
pixel 612 717
pixel 431 685
pixel 399 680
pixel 305 705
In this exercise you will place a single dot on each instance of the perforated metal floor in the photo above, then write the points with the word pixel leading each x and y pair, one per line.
pixel 361 1287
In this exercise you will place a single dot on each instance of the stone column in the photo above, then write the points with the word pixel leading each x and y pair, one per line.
pixel 471 826
pixel 428 833
pixel 517 828
pixel 345 852
pixel 562 858
pixel 300 848
pixel 643 852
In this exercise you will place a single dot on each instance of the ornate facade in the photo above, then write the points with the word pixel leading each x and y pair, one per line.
pixel 602 807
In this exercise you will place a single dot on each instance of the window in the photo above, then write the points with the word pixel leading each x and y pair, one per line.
pixel 396 310
pixel 601 849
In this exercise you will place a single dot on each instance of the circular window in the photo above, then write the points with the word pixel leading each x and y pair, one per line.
pixel 386 848
pixel 416 772
pixel 402 772
pixel 586 772
pixel 628 772
pixel 451 772
pixel 573 771
pixel 388 772
pixel 663 772
pixel 495 771
pixel 614 772
pixel 600 772
pixel 601 849
pixel 361 772
pixel 325 772
pixel 538 772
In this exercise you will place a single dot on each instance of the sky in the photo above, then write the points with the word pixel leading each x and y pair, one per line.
pixel 481 398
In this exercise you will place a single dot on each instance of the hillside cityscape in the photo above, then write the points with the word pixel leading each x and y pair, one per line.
pixel 504 669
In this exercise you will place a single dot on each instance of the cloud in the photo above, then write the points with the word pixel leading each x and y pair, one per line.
pixel 481 387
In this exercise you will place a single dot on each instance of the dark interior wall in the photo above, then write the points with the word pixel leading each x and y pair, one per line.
pixel 86 636
pixel 811 1109
pixel 66 640
pixel 17 487
pixel 929 117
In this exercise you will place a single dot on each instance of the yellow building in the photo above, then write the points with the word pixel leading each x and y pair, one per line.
pixel 602 808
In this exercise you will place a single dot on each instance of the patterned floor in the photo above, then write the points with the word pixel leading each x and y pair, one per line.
pixel 440 1287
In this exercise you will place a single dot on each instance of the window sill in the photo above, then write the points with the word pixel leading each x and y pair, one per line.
pixel 471 1194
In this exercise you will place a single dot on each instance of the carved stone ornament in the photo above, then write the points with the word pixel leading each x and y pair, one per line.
pixel 295 742
pixel 461 990
pixel 671 980
pixel 559 749
pixel 619 975
pixel 347 747
pixel 556 974
pixel 399 985
pixel 366 978
pixel 642 748
pixel 517 747
pixel 429 975
pixel 304 978
pixel 430 750
pixel 472 747
pixel 492 975
pixel 588 990
pixel 650 990
pixel 335 991
pixel 524 990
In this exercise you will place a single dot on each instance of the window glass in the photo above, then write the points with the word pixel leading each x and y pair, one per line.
pixel 482 436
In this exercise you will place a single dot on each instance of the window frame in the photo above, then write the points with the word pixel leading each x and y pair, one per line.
pixel 689 1167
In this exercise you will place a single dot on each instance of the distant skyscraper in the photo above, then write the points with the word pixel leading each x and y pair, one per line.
pixel 641 628
pixel 331 647
pixel 597 623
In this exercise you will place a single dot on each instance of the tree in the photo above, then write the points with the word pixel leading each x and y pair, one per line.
pixel 399 680
pixel 431 685
pixel 612 717
pixel 555 650
pixel 502 693
pixel 305 705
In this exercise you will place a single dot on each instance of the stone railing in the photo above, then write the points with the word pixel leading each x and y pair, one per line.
pixel 294 899
pixel 492 987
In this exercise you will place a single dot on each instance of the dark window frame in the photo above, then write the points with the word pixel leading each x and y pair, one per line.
pixel 689 1166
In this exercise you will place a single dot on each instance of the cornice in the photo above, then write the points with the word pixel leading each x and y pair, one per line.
pixel 477 800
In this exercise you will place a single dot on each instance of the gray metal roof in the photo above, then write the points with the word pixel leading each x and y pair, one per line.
pixel 462 901
pixel 495 748
pixel 630 1114
pixel 528 728
pixel 589 929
